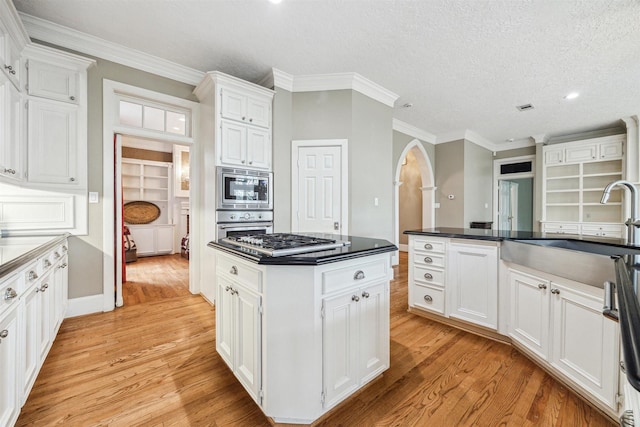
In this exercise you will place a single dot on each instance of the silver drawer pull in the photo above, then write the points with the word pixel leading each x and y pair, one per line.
pixel 234 270
pixel 542 286
pixel 365 294
pixel 428 260
pixel 56 255
pixel 355 298
pixel 4 333
pixel 428 276
pixel 228 288
pixel 428 298
pixel 428 246
pixel 555 291
pixel 47 263
pixel 33 275
pixel 359 275
pixel 10 293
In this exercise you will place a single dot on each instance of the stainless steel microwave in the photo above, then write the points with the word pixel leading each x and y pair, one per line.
pixel 244 189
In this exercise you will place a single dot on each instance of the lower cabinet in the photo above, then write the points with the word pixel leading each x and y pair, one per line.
pixel 355 339
pixel 238 337
pixel 153 239
pixel 562 324
pixel 10 401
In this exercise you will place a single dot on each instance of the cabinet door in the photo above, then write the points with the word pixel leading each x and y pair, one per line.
pixel 581 154
pixel 373 331
pixel 585 343
pixel 339 342
pixel 472 283
pixel 611 150
pixel 247 360
pixel 53 143
pixel 233 144
pixel 144 236
pixel 553 156
pixel 258 149
pixel 259 112
pixel 60 280
pixel 31 344
pixel 53 82
pixel 10 56
pixel 529 312
pixel 164 239
pixel 9 390
pixel 44 323
pixel 233 105
pixel 11 165
pixel 225 320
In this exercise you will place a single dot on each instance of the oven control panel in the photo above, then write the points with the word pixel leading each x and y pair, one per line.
pixel 244 216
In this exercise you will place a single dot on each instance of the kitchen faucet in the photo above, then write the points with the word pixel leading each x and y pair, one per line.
pixel 633 223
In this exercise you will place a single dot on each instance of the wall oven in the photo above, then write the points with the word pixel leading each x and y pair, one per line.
pixel 244 189
pixel 243 223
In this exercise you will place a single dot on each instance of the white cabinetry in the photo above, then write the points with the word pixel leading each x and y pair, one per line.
pixel 153 239
pixel 242 113
pixel 10 355
pixel 13 39
pixel 11 147
pixel 239 322
pixel 427 273
pixel 575 175
pixel 562 324
pixel 472 282
pixel 355 339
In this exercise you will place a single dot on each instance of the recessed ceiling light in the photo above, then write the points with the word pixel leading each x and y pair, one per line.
pixel 572 95
pixel 509 140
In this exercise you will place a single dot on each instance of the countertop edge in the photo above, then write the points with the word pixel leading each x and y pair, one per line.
pixel 27 257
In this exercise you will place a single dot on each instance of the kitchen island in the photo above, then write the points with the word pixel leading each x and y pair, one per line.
pixel 303 332
pixel 545 293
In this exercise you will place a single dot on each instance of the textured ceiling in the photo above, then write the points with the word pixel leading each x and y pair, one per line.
pixel 464 65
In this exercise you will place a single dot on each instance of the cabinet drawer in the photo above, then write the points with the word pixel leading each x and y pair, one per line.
pixel 603 230
pixel 425 259
pixel 342 278
pixel 240 272
pixel 428 298
pixel 429 245
pixel 432 276
pixel 562 228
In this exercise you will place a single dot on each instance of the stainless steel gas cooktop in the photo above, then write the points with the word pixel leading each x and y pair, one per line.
pixel 280 244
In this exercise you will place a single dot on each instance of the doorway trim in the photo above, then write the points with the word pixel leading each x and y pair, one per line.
pixel 111 235
pixel 344 166
pixel 497 177
pixel 428 189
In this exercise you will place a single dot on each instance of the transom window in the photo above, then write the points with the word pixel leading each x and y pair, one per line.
pixel 156 117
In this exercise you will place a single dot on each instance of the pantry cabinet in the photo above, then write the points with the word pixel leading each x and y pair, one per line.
pixel 242 112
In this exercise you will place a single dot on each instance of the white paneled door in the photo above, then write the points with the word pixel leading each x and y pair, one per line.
pixel 319 190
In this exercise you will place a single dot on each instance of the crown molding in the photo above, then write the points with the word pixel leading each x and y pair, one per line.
pixel 413 131
pixel 47 31
pixel 12 20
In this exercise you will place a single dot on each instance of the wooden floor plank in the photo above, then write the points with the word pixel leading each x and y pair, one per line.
pixel 153 363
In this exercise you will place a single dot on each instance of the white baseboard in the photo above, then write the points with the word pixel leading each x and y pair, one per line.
pixel 403 247
pixel 85 305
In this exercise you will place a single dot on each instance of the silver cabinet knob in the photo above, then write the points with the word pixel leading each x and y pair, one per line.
pixel 365 294
pixel 234 270
pixel 73 98
pixel 47 263
pixel 64 248
pixel 56 255
pixel 555 291
pixel 250 162
pixel 250 120
pixel 33 275
pixel 428 260
pixel 355 298
pixel 44 287
pixel 359 275
pixel 428 298
pixel 242 161
pixel 63 265
pixel 244 118
pixel 428 276
pixel 10 293
pixel 4 333
pixel 72 179
pixel 542 286
pixel 10 171
pixel 228 288
pixel 428 246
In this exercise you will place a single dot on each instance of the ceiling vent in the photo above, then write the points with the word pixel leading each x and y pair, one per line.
pixel 524 107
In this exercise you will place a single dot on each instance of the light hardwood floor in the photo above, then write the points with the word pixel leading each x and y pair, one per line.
pixel 154 364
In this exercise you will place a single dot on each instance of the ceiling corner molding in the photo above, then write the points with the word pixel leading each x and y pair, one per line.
pixel 480 140
pixel 456 135
pixel 519 143
pixel 282 80
pixel 344 81
pixel 413 131
pixel 40 29
pixel 542 138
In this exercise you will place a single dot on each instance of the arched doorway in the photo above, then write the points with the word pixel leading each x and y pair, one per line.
pixel 426 188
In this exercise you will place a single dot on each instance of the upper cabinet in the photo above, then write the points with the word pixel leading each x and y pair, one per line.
pixel 56 102
pixel 242 120
pixel 13 39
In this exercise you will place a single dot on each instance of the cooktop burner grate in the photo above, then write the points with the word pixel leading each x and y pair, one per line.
pixel 280 244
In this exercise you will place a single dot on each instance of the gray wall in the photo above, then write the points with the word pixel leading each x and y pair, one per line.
pixel 450 180
pixel 478 183
pixel 516 152
pixel 85 252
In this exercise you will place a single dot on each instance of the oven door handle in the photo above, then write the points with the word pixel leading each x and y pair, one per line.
pixel 244 225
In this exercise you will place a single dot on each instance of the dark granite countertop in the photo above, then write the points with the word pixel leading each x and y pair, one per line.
pixel 15 252
pixel 499 235
pixel 359 247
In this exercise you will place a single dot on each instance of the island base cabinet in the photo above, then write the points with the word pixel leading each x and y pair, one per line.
pixel 355 340
pixel 238 336
pixel 9 389
pixel 585 343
